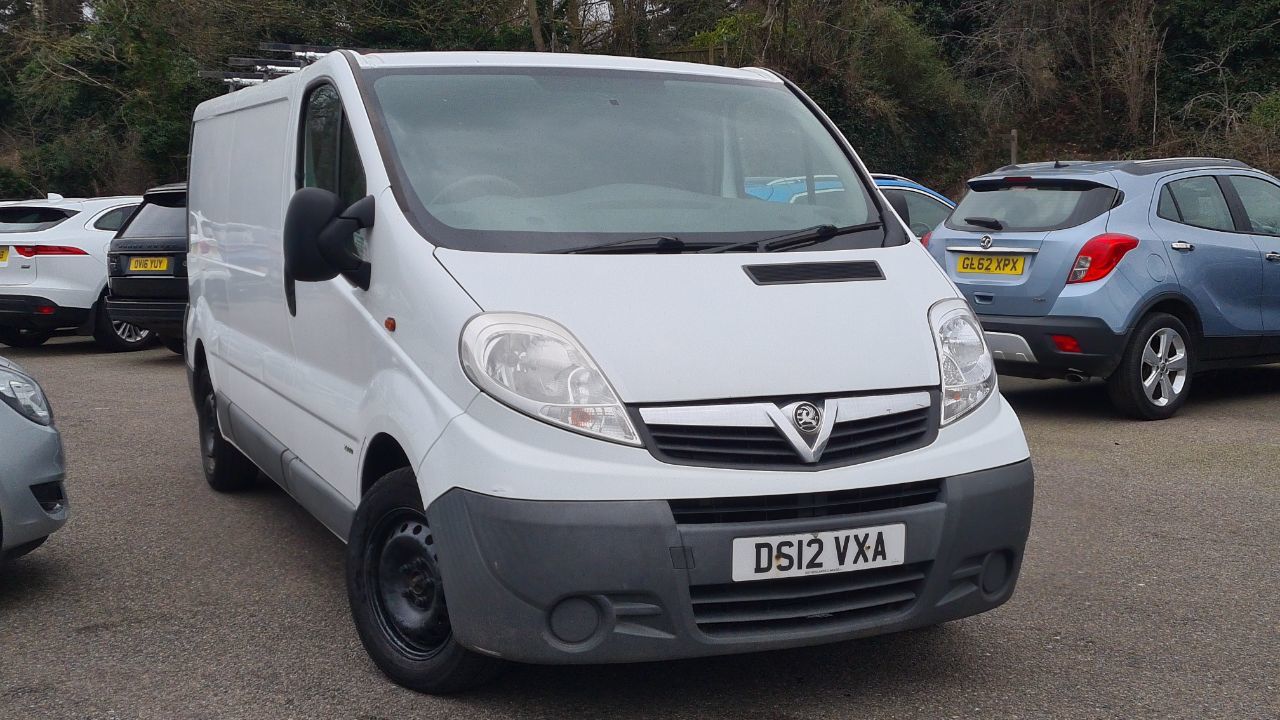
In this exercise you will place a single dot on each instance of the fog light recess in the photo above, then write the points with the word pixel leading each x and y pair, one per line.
pixel 997 569
pixel 575 620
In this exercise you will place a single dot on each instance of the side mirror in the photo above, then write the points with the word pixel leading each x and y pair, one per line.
pixel 317 239
pixel 899 203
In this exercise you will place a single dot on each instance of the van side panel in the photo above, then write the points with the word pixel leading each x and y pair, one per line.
pixel 207 271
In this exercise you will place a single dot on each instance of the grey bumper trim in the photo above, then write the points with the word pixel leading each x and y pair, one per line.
pixel 1010 347
pixel 616 577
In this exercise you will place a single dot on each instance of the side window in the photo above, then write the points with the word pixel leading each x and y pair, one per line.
pixel 1167 208
pixel 330 159
pixel 329 156
pixel 926 212
pixel 111 221
pixel 1261 201
pixel 1200 202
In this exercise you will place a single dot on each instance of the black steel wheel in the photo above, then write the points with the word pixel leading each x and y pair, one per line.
pixel 397 594
pixel 226 469
pixel 404 584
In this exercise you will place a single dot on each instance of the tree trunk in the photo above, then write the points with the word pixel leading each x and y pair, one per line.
pixel 535 25
pixel 573 13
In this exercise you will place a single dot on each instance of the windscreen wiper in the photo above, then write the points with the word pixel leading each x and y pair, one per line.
pixel 799 238
pixel 653 243
pixel 985 222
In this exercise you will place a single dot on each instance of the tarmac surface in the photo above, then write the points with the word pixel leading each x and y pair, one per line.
pixel 1151 587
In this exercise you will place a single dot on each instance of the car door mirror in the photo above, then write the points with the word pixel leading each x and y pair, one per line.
pixel 318 236
pixel 899 202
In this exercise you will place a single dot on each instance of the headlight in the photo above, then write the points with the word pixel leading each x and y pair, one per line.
pixel 537 367
pixel 968 372
pixel 24 395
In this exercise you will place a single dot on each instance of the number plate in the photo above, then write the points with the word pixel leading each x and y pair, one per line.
pixel 991 264
pixel 4 254
pixel 148 264
pixel 819 553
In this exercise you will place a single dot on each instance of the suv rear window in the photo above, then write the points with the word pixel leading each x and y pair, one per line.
pixel 1030 206
pixel 31 219
pixel 162 215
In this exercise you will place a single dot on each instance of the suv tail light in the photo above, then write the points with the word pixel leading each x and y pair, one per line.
pixel 924 239
pixel 34 250
pixel 1100 256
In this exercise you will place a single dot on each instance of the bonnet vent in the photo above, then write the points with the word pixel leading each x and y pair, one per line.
pixel 818 272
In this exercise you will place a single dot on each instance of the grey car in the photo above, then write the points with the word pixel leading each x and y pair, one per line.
pixel 33 500
pixel 1139 272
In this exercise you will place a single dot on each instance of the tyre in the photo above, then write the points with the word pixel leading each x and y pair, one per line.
pixel 397 595
pixel 226 469
pixel 23 338
pixel 1154 376
pixel 115 336
pixel 174 345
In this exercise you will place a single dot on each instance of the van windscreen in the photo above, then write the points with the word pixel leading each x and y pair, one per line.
pixel 538 159
pixel 31 219
pixel 1030 205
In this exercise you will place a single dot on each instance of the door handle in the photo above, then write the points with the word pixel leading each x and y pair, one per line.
pixel 1273 257
pixel 1182 246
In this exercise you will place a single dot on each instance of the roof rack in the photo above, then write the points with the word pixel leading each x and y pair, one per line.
pixel 280 59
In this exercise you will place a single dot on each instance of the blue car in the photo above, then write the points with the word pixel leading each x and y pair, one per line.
pixel 921 208
pixel 1139 272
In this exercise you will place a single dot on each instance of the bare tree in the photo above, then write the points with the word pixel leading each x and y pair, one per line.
pixel 1137 46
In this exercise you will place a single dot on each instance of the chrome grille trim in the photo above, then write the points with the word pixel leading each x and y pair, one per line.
pixel 759 414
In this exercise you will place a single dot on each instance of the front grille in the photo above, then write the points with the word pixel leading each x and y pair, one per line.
pixel 764 508
pixel 50 495
pixel 761 447
pixel 763 606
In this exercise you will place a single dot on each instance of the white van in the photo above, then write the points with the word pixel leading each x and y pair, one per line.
pixel 514 327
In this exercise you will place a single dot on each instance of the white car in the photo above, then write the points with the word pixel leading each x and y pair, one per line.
pixel 53 271
pixel 512 326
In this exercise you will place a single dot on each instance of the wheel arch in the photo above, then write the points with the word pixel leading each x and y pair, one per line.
pixel 384 454
pixel 199 365
pixel 1175 304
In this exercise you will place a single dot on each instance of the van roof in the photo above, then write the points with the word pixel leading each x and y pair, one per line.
pixel 279 88
pixel 554 60
pixel 1068 168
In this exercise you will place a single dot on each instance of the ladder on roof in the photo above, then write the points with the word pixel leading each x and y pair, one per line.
pixel 279 60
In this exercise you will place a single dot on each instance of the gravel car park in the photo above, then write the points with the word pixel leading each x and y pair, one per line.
pixel 1149 589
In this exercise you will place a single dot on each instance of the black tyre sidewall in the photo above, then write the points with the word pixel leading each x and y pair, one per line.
pixel 18 338
pixel 231 471
pixel 453 668
pixel 1125 384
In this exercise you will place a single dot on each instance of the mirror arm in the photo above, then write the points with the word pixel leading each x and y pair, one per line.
pixel 332 242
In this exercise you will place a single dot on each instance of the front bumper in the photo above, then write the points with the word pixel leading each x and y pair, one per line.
pixel 31 312
pixel 32 470
pixel 1024 347
pixel 563 582
pixel 165 317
